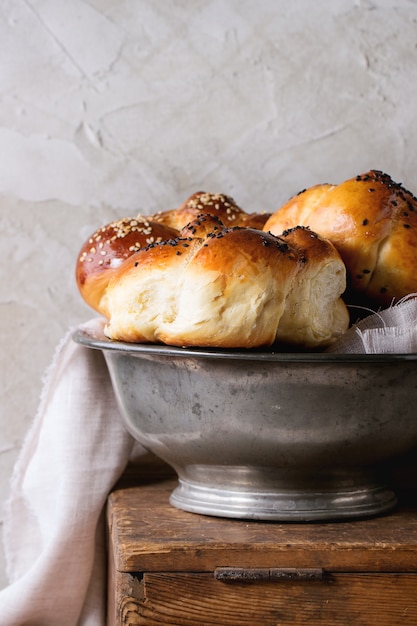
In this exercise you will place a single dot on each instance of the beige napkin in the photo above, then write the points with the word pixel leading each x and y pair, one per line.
pixel 54 532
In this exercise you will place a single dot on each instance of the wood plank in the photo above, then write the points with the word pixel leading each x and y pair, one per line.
pixel 150 535
pixel 342 600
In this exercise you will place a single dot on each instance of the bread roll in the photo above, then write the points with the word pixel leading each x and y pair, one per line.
pixel 107 248
pixel 223 287
pixel 217 204
pixel 372 221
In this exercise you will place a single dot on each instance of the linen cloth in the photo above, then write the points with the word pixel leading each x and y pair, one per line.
pixel 393 330
pixel 75 451
pixel 54 535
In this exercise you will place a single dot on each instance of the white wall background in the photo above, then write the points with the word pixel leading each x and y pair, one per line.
pixel 110 107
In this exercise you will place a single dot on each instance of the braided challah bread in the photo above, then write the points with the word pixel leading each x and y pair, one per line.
pixel 229 287
pixel 372 221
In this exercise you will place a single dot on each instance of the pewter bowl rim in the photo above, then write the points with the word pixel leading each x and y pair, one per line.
pixel 97 340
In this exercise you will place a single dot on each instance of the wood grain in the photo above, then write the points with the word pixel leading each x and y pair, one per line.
pixel 341 600
pixel 149 535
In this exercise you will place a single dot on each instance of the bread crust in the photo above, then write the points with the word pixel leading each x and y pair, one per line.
pixel 372 221
pixel 217 204
pixel 107 248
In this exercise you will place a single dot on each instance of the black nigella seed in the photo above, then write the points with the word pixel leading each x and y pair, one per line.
pixel 365 222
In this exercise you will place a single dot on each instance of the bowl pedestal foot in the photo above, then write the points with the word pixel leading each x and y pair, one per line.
pixel 283 499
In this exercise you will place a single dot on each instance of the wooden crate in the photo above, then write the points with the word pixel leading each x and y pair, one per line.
pixel 171 567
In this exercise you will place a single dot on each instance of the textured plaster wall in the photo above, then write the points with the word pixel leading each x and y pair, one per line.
pixel 110 107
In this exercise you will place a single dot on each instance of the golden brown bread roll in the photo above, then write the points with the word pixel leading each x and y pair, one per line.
pixel 217 204
pixel 107 248
pixel 372 221
pixel 225 287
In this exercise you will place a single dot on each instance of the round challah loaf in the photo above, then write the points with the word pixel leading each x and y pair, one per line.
pixel 372 221
pixel 229 287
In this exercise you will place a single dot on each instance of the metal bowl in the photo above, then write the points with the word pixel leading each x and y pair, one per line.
pixel 268 435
